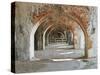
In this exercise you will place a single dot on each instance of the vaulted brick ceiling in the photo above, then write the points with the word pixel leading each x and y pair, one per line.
pixel 65 16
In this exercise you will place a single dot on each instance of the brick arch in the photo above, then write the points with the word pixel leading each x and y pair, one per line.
pixel 33 30
pixel 76 19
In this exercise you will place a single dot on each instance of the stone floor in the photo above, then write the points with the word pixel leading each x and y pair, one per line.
pixel 59 50
pixel 54 65
pixel 56 57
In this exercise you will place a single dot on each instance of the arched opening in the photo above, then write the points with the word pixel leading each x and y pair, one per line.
pixel 57 35
pixel 50 39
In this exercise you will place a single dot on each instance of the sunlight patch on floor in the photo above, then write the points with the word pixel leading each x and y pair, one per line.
pixel 61 59
pixel 66 53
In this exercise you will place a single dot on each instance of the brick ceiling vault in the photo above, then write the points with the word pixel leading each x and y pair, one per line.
pixel 63 15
